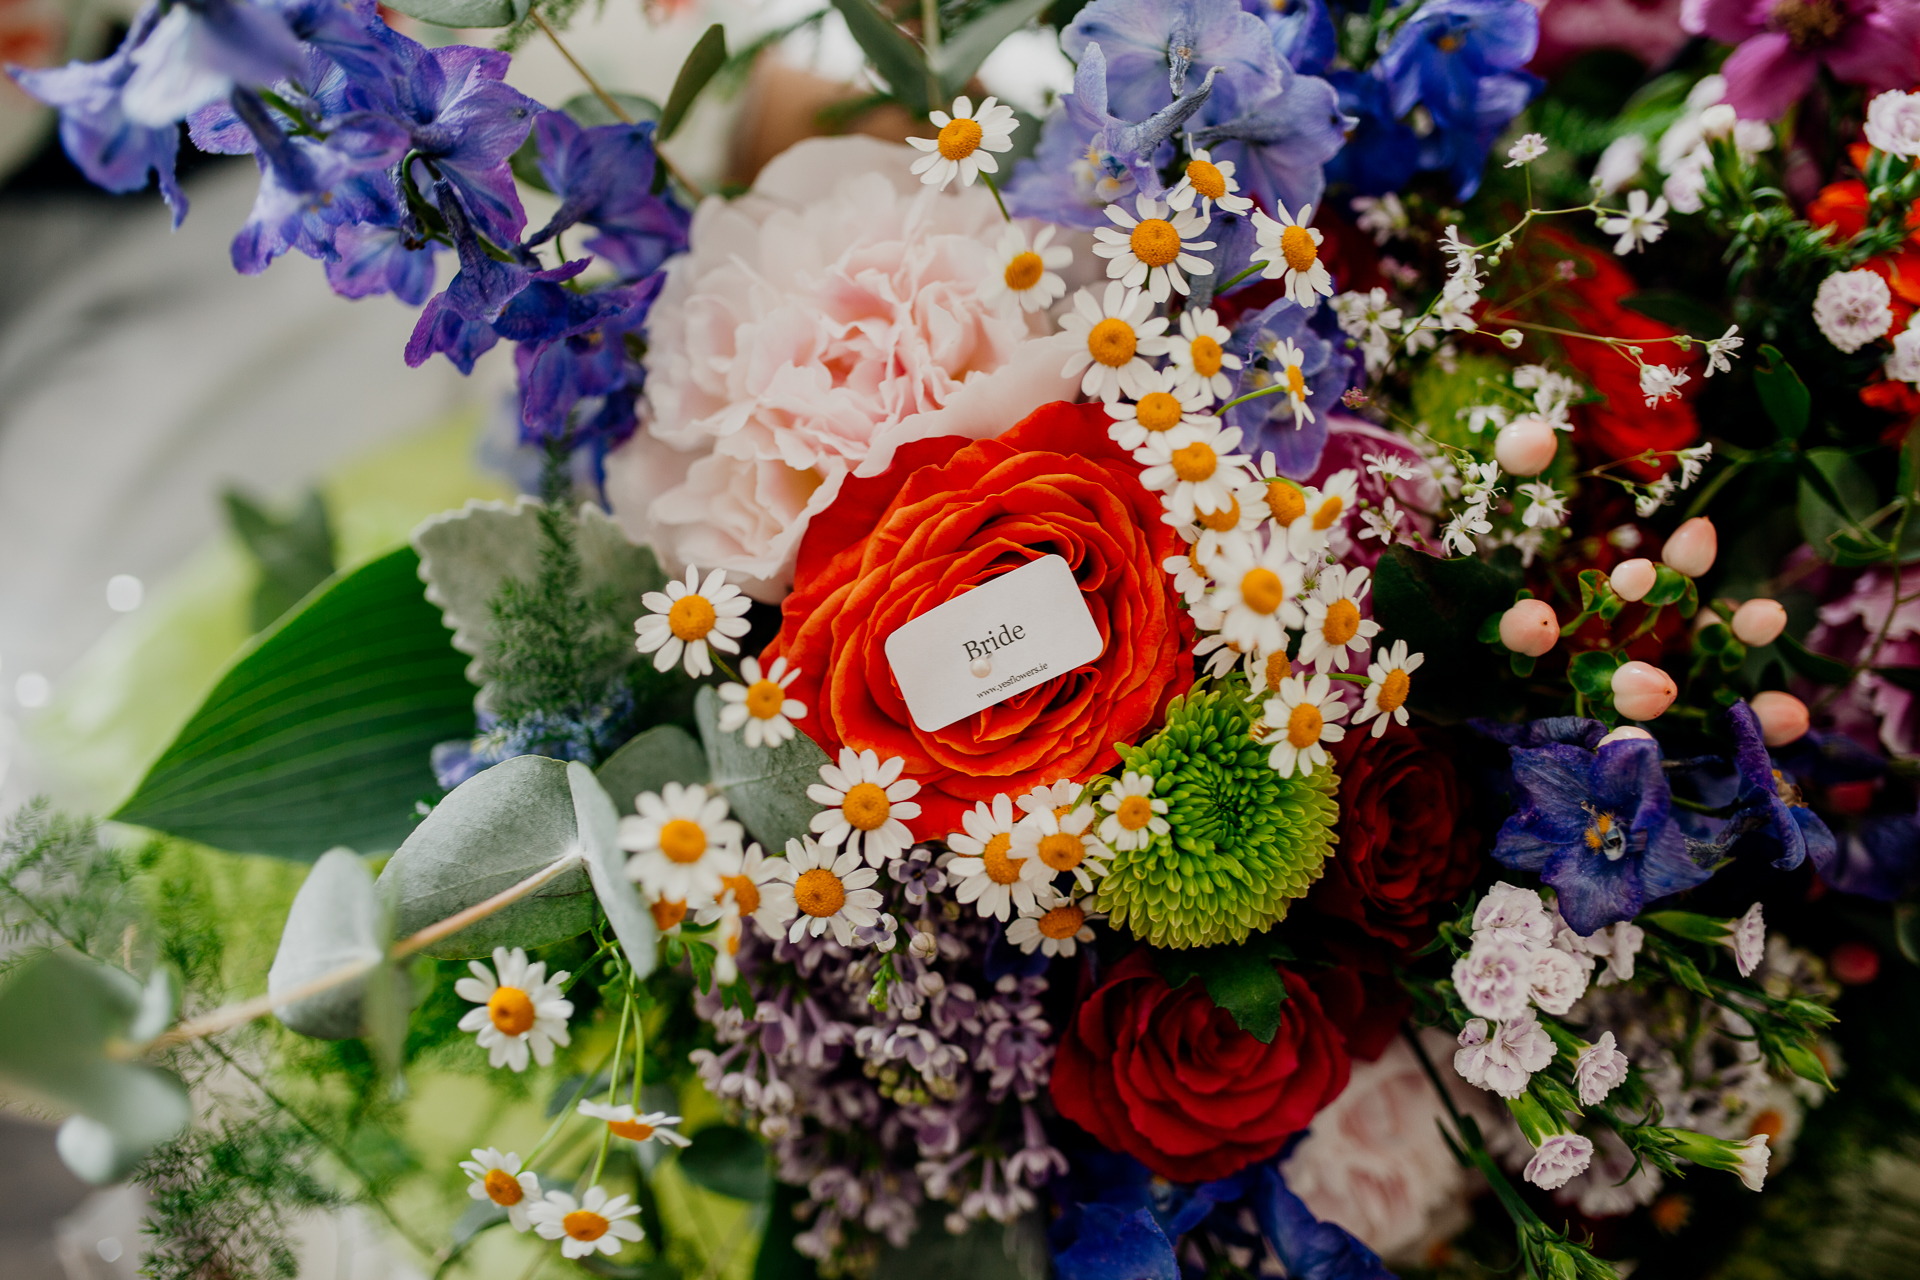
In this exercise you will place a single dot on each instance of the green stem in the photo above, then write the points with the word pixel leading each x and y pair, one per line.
pixel 988 179
pixel 1251 395
pixel 566 1113
pixel 1251 268
pixel 613 1088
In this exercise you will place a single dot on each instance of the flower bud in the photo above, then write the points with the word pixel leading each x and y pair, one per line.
pixel 1626 733
pixel 1692 548
pixel 1632 579
pixel 1759 621
pixel 1512 338
pixel 1783 717
pixel 1642 691
pixel 1717 121
pixel 1530 627
pixel 1526 446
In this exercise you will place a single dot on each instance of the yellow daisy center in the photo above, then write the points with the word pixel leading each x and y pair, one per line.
pixel 683 841
pixel 746 894
pixel 633 1129
pixel 819 892
pixel 866 807
pixel 1062 922
pixel 1224 520
pixel 764 699
pixel 960 138
pixel 667 913
pixel 1329 512
pixel 511 1011
pixel 1262 590
pixel 1303 726
pixel 1024 271
pixel 1296 383
pixel 1062 852
pixel 583 1224
pixel 1298 248
pixel 691 618
pixel 1343 620
pixel 1111 342
pixel 503 1188
pixel 1393 690
pixel 1278 669
pixel 1206 356
pixel 1158 411
pixel 1206 179
pixel 1285 501
pixel 1195 462
pixel 1155 242
pixel 1134 813
pixel 1000 868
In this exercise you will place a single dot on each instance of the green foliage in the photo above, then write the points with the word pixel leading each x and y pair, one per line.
pixel 337 921
pixel 767 787
pixel 1240 979
pixel 1785 398
pixel 665 753
pixel 465 13
pixel 730 1162
pixel 59 885
pixel 221 1201
pixel 295 555
pixel 1438 606
pixel 706 59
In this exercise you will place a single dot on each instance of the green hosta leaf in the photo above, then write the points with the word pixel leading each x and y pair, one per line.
pixel 962 52
pixel 464 13
pixel 663 754
pixel 894 54
pixel 337 920
pixel 1782 394
pixel 730 1162
pixel 319 732
pixel 64 1014
pixel 295 555
pixel 493 831
pixel 767 786
pixel 708 56
pixel 599 828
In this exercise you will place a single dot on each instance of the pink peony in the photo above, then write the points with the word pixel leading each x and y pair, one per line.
pixel 832 314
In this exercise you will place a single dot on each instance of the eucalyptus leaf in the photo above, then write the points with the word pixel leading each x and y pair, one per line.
pixel 494 830
pixel 591 110
pixel 766 786
pixel 336 920
pixel 896 55
pixel 665 753
pixel 962 52
pixel 730 1162
pixel 464 13
pixel 599 827
pixel 319 732
pixel 707 57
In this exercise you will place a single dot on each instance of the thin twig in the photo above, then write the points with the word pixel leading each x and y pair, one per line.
pixel 612 103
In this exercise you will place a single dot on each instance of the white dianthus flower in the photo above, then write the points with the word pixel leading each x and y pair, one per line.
pixel 1853 308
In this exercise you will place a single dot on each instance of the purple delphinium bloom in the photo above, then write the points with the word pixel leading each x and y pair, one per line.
pixel 1598 827
pixel 1280 146
pixel 1382 152
pixel 1268 424
pixel 371 258
pixel 309 187
pixel 1154 47
pixel 557 375
pixel 1460 59
pixel 199 52
pixel 1113 1242
pixel 1784 43
pixel 1309 1248
pixel 1798 830
pixel 1303 34
pixel 604 177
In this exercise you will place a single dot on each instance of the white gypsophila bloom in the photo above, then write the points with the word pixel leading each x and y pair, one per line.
pixel 1599 1070
pixel 761 706
pixel 624 1122
pixel 1058 841
pixel 1117 334
pixel 1196 470
pixel 1170 406
pixel 1495 978
pixel 1512 913
pixel 1662 382
pixel 1547 506
pixel 1853 308
pixel 1154 251
pixel 1199 354
pixel 1029 269
pixel 1058 928
pixel 1720 350
pixel 1502 1060
pixel 1291 251
pixel 1463 257
pixel 1389 681
pixel 521 1010
pixel 1620 163
pixel 1553 392
pixel 1479 417
pixel 1457 536
pixel 1654 497
pixel 1481 482
pixel 683 843
pixel 1382 217
pixel 1300 720
pixel 1257 594
pixel 1209 181
pixel 498 1178
pixel 1904 364
pixel 1382 523
pixel 1334 627
pixel 1530 147
pixel 1369 319
pixel 867 804
pixel 966 139
pixel 592 1224
pixel 1560 1157
pixel 1638 225
pixel 1389 467
pixel 1893 123
pixel 1325 510
pixel 687 617
pixel 1134 813
pixel 1692 462
pixel 1558 981
pixel 982 871
pixel 831 892
pixel 1748 941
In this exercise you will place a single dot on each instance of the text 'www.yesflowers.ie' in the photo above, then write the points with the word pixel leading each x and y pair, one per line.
pixel 1010 681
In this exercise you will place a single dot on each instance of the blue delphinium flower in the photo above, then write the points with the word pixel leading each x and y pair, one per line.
pixel 1268 424
pixel 1382 152
pixel 1115 1242
pixel 1461 60
pixel 1280 146
pixel 1798 831
pixel 1598 827
pixel 200 51
pixel 604 177
pixel 587 365
pixel 1153 48
pixel 1303 34
pixel 1308 1248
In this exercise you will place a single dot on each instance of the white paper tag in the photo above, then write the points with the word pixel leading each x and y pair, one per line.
pixel 1008 635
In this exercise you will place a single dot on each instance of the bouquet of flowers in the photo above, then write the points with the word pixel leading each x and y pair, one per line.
pixel 1149 692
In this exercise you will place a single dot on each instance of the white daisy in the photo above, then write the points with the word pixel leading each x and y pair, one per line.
pixel 1258 595
pixel 761 705
pixel 965 139
pixel 1118 331
pixel 1291 250
pixel 593 1223
pixel 1195 470
pixel 683 842
pixel 867 801
pixel 831 893
pixel 1287 505
pixel 1028 273
pixel 1055 841
pixel 498 1178
pixel 520 1009
pixel 1265 671
pixel 1388 681
pixel 687 617
pixel 1240 517
pixel 1211 182
pixel 1327 508
pixel 981 871
pixel 1287 364
pixel 1133 813
pixel 1151 250
pixel 1299 718
pixel 624 1122
pixel 726 942
pixel 1058 930
pixel 1334 624
pixel 756 890
pixel 1199 353
pixel 1164 409
pixel 1188 578
pixel 1220 653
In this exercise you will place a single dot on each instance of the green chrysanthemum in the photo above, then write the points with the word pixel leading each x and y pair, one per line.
pixel 1244 842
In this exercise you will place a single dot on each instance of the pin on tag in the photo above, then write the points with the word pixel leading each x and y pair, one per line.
pixel 1008 635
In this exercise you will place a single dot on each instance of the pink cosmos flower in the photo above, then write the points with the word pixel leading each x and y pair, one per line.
pixel 1873 706
pixel 1783 43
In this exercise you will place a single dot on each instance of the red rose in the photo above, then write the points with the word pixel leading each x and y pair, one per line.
pixel 1404 855
pixel 1170 1079
pixel 948 515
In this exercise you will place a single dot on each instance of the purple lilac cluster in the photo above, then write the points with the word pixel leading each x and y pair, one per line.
pixel 375 154
pixel 931 1093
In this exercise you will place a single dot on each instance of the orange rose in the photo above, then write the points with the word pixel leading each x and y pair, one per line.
pixel 948 515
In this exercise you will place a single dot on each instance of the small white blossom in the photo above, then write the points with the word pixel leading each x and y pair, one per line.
pixel 866 801
pixel 1561 1157
pixel 521 1010
pixel 498 1178
pixel 1529 148
pixel 1748 941
pixel 1290 248
pixel 1620 163
pixel 1721 349
pixel 1495 978
pixel 1639 225
pixel 1692 462
pixel 1389 467
pixel 1893 123
pixel 961 150
pixel 1547 507
pixel 1853 308
pixel 1458 534
pixel 1382 217
pixel 1369 320
pixel 1662 382
pixel 1654 497
pixel 1382 522
pixel 1599 1070
pixel 592 1224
